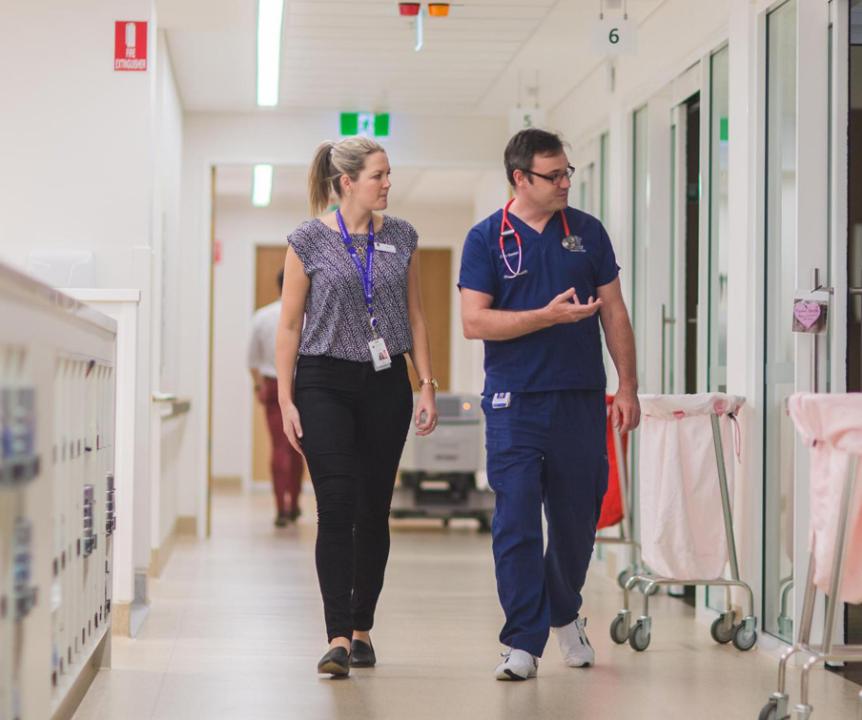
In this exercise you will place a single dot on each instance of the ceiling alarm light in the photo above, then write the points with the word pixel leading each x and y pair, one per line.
pixel 408 9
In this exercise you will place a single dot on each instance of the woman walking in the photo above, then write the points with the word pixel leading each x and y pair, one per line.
pixel 345 396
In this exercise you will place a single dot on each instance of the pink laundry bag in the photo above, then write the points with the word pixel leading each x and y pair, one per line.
pixel 681 520
pixel 831 425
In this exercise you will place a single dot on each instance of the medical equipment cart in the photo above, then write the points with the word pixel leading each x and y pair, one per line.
pixel 438 472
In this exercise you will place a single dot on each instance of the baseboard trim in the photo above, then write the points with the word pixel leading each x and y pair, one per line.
pixel 101 657
pixel 227 482
pixel 128 618
pixel 186 525
pixel 120 618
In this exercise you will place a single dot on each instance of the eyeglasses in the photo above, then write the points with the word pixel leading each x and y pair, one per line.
pixel 555 178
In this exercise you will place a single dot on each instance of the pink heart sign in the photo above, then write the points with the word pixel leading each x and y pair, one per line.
pixel 807 313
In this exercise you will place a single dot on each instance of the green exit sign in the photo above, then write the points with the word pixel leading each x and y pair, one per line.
pixel 363 123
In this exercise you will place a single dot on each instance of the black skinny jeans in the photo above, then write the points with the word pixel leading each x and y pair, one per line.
pixel 354 423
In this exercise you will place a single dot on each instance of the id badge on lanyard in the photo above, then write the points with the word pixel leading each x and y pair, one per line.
pixel 379 354
pixel 377 347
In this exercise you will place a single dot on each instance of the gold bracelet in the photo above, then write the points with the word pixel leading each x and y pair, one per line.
pixel 429 381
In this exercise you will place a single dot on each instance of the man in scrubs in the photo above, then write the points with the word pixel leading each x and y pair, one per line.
pixel 537 278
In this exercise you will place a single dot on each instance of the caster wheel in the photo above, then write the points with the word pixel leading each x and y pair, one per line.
pixel 623 578
pixel 744 639
pixel 722 633
pixel 769 712
pixel 619 631
pixel 639 637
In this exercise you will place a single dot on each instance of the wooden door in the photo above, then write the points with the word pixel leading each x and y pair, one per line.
pixel 435 273
pixel 269 259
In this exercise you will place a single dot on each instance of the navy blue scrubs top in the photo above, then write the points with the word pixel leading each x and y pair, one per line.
pixel 561 357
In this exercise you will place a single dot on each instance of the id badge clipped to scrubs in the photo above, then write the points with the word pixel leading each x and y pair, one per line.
pixel 501 400
pixel 379 354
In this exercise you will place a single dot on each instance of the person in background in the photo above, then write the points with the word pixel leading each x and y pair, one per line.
pixel 285 462
pixel 345 395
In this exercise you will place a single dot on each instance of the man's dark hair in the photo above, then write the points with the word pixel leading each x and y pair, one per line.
pixel 525 145
pixel 280 279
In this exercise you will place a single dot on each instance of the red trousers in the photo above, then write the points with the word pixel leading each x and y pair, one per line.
pixel 286 463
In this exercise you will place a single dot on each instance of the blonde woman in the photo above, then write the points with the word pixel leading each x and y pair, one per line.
pixel 346 400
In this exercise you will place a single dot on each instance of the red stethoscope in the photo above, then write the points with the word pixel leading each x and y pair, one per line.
pixel 507 229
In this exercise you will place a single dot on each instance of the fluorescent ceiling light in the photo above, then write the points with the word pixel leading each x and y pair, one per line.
pixel 261 189
pixel 269 20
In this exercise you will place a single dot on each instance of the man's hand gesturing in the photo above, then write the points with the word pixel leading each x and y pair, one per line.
pixel 567 308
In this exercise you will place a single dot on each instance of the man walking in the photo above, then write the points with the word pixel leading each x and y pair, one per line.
pixel 285 463
pixel 536 279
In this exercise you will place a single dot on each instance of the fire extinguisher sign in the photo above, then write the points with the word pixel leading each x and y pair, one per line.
pixel 130 46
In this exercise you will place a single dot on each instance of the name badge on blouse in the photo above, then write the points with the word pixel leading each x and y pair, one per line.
pixel 379 354
pixel 384 247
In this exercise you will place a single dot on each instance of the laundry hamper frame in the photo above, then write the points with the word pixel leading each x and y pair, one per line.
pixel 743 635
pixel 828 651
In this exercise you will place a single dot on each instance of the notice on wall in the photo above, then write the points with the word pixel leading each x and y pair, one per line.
pixel 810 311
pixel 130 46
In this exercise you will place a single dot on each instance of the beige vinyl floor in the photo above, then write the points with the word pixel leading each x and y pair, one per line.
pixel 236 629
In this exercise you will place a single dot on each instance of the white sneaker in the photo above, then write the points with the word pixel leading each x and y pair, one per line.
pixel 517 665
pixel 574 644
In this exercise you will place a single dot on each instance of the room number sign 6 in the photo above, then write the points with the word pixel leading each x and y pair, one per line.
pixel 614 36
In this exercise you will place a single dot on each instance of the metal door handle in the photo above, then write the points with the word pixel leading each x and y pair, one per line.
pixel 665 321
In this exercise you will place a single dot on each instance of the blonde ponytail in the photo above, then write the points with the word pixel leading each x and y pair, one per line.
pixel 320 178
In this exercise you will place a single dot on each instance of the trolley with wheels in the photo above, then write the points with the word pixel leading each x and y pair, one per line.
pixel 686 423
pixel 438 472
pixel 832 426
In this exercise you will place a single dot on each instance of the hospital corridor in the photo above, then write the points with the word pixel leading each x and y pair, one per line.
pixel 381 360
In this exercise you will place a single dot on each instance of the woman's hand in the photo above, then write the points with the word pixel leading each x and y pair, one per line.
pixel 292 426
pixel 426 411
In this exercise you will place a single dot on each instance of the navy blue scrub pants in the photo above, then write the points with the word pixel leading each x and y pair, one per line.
pixel 546 448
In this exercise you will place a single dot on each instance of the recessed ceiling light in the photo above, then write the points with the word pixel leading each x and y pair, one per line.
pixel 261 187
pixel 270 14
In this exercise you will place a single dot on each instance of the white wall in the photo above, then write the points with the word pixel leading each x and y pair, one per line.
pixel 241 228
pixel 79 175
pixel 101 175
pixel 76 175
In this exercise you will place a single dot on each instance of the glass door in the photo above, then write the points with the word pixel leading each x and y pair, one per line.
pixel 680 320
pixel 719 261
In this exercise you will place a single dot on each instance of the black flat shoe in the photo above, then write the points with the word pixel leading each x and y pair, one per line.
pixel 362 654
pixel 336 662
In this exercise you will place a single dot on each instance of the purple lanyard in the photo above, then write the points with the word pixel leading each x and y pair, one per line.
pixel 366 273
